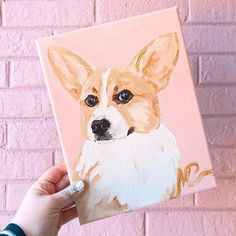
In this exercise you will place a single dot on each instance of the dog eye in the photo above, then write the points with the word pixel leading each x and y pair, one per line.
pixel 124 96
pixel 91 100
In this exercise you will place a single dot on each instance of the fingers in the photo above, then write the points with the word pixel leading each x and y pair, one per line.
pixel 54 174
pixel 62 183
pixel 66 196
pixel 69 215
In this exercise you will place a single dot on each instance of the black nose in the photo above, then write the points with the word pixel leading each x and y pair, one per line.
pixel 100 127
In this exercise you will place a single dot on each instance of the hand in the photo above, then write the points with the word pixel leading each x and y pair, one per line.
pixel 49 203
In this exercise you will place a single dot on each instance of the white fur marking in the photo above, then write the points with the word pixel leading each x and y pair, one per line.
pixel 105 77
pixel 136 170
pixel 119 127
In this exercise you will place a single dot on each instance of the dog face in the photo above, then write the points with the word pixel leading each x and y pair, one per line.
pixel 117 102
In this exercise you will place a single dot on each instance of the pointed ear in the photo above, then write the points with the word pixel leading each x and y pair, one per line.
pixel 70 69
pixel 157 60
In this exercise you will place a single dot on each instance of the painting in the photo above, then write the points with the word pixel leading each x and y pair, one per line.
pixel 126 112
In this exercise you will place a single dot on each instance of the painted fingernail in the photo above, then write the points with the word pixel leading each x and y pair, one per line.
pixel 78 187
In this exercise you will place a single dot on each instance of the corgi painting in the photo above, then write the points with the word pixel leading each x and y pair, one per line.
pixel 128 154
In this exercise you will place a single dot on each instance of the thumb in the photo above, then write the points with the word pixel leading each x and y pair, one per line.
pixel 68 195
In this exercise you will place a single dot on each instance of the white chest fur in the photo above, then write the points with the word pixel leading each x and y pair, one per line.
pixel 139 170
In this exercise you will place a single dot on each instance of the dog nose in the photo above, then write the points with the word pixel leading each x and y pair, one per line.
pixel 100 127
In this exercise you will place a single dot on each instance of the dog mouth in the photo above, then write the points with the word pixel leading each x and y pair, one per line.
pixel 130 131
pixel 108 137
pixel 105 137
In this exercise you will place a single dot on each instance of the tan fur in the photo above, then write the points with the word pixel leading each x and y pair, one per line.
pixel 150 61
pixel 146 75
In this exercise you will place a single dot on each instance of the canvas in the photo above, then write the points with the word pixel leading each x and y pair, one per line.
pixel 126 112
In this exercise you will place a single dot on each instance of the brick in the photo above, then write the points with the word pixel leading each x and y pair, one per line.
pixel 58 157
pixel 3 74
pixel 33 134
pixel 2 196
pixel 220 131
pixel 217 100
pixel 15 195
pixel 20 43
pixel 193 62
pixel 3 134
pixel 210 38
pixel 63 30
pixel 109 10
pixel 220 12
pixel 48 13
pixel 5 220
pixel 3 163
pixel 194 223
pixel 28 103
pixel 112 226
pixel 224 161
pixel 26 74
pixel 64 229
pixel 25 165
pixel 180 202
pixel 219 197
pixel 217 69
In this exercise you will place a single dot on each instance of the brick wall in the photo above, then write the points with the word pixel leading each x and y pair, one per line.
pixel 28 139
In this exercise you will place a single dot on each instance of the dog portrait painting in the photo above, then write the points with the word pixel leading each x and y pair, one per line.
pixel 129 158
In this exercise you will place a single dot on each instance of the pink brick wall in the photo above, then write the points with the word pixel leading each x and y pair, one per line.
pixel 28 138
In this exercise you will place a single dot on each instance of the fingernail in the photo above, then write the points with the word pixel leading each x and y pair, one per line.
pixel 75 188
pixel 78 187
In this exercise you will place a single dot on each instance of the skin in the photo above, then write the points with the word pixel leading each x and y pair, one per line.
pixel 48 204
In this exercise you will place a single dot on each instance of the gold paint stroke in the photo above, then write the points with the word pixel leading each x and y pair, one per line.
pixel 183 176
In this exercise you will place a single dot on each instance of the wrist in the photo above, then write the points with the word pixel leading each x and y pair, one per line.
pixel 13 230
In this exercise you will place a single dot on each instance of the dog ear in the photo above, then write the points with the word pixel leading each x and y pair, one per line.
pixel 156 61
pixel 70 69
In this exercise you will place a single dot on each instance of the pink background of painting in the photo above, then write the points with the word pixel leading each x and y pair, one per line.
pixel 115 44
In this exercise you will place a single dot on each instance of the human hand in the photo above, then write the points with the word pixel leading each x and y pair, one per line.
pixel 49 203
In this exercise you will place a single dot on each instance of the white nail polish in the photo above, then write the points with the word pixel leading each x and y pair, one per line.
pixel 75 188
pixel 79 186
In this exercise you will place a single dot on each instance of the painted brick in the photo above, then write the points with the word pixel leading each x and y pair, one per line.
pixel 108 10
pixel 210 38
pixel 1 14
pixel 20 43
pixel 28 103
pixel 33 134
pixel 3 76
pixel 25 165
pixel 58 157
pixel 3 163
pixel 180 202
pixel 217 100
pixel 224 161
pixel 3 131
pixel 194 223
pixel 204 11
pixel 26 74
pixel 5 220
pixel 217 69
pixel 15 195
pixel 64 229
pixel 113 226
pixel 220 131
pixel 193 62
pixel 2 196
pixel 63 30
pixel 219 197
pixel 48 13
